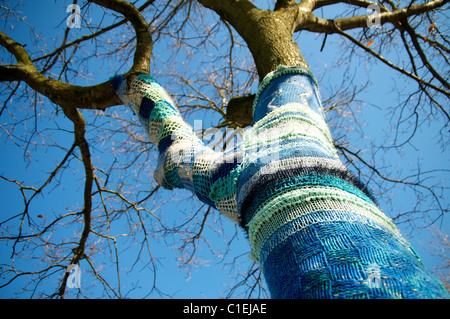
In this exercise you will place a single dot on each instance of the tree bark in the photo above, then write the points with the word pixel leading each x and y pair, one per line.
pixel 99 96
pixel 268 34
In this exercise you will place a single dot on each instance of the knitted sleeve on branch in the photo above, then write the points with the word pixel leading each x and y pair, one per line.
pixel 184 161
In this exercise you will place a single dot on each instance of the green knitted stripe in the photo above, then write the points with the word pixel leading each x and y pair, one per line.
pixel 276 123
pixel 304 194
pixel 311 125
pixel 149 80
pixel 148 87
pixel 228 207
pixel 154 126
pixel 175 126
pixel 161 111
pixel 202 184
pixel 172 178
pixel 311 179
pixel 267 144
pixel 226 186
pixel 296 202
pixel 290 108
pixel 290 163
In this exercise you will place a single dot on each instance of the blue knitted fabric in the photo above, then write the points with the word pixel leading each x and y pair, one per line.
pixel 312 226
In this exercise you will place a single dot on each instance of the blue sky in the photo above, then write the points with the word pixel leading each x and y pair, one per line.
pixel 219 268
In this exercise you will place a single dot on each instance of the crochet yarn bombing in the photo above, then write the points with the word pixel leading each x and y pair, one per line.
pixel 312 226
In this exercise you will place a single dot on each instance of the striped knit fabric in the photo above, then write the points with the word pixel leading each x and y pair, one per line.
pixel 312 226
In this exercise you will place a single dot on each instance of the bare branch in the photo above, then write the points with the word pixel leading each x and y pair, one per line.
pixel 422 55
pixel 99 96
pixel 315 24
pixel 395 67
pixel 83 145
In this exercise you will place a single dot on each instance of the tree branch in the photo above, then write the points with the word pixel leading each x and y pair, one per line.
pixel 315 24
pixel 99 96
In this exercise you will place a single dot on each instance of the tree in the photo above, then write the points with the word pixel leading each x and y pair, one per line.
pixel 110 197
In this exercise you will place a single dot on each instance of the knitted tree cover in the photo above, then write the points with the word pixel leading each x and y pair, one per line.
pixel 312 226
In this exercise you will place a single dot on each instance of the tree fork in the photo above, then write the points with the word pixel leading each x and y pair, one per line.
pixel 268 34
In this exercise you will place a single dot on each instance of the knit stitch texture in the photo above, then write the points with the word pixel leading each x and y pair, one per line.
pixel 314 228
